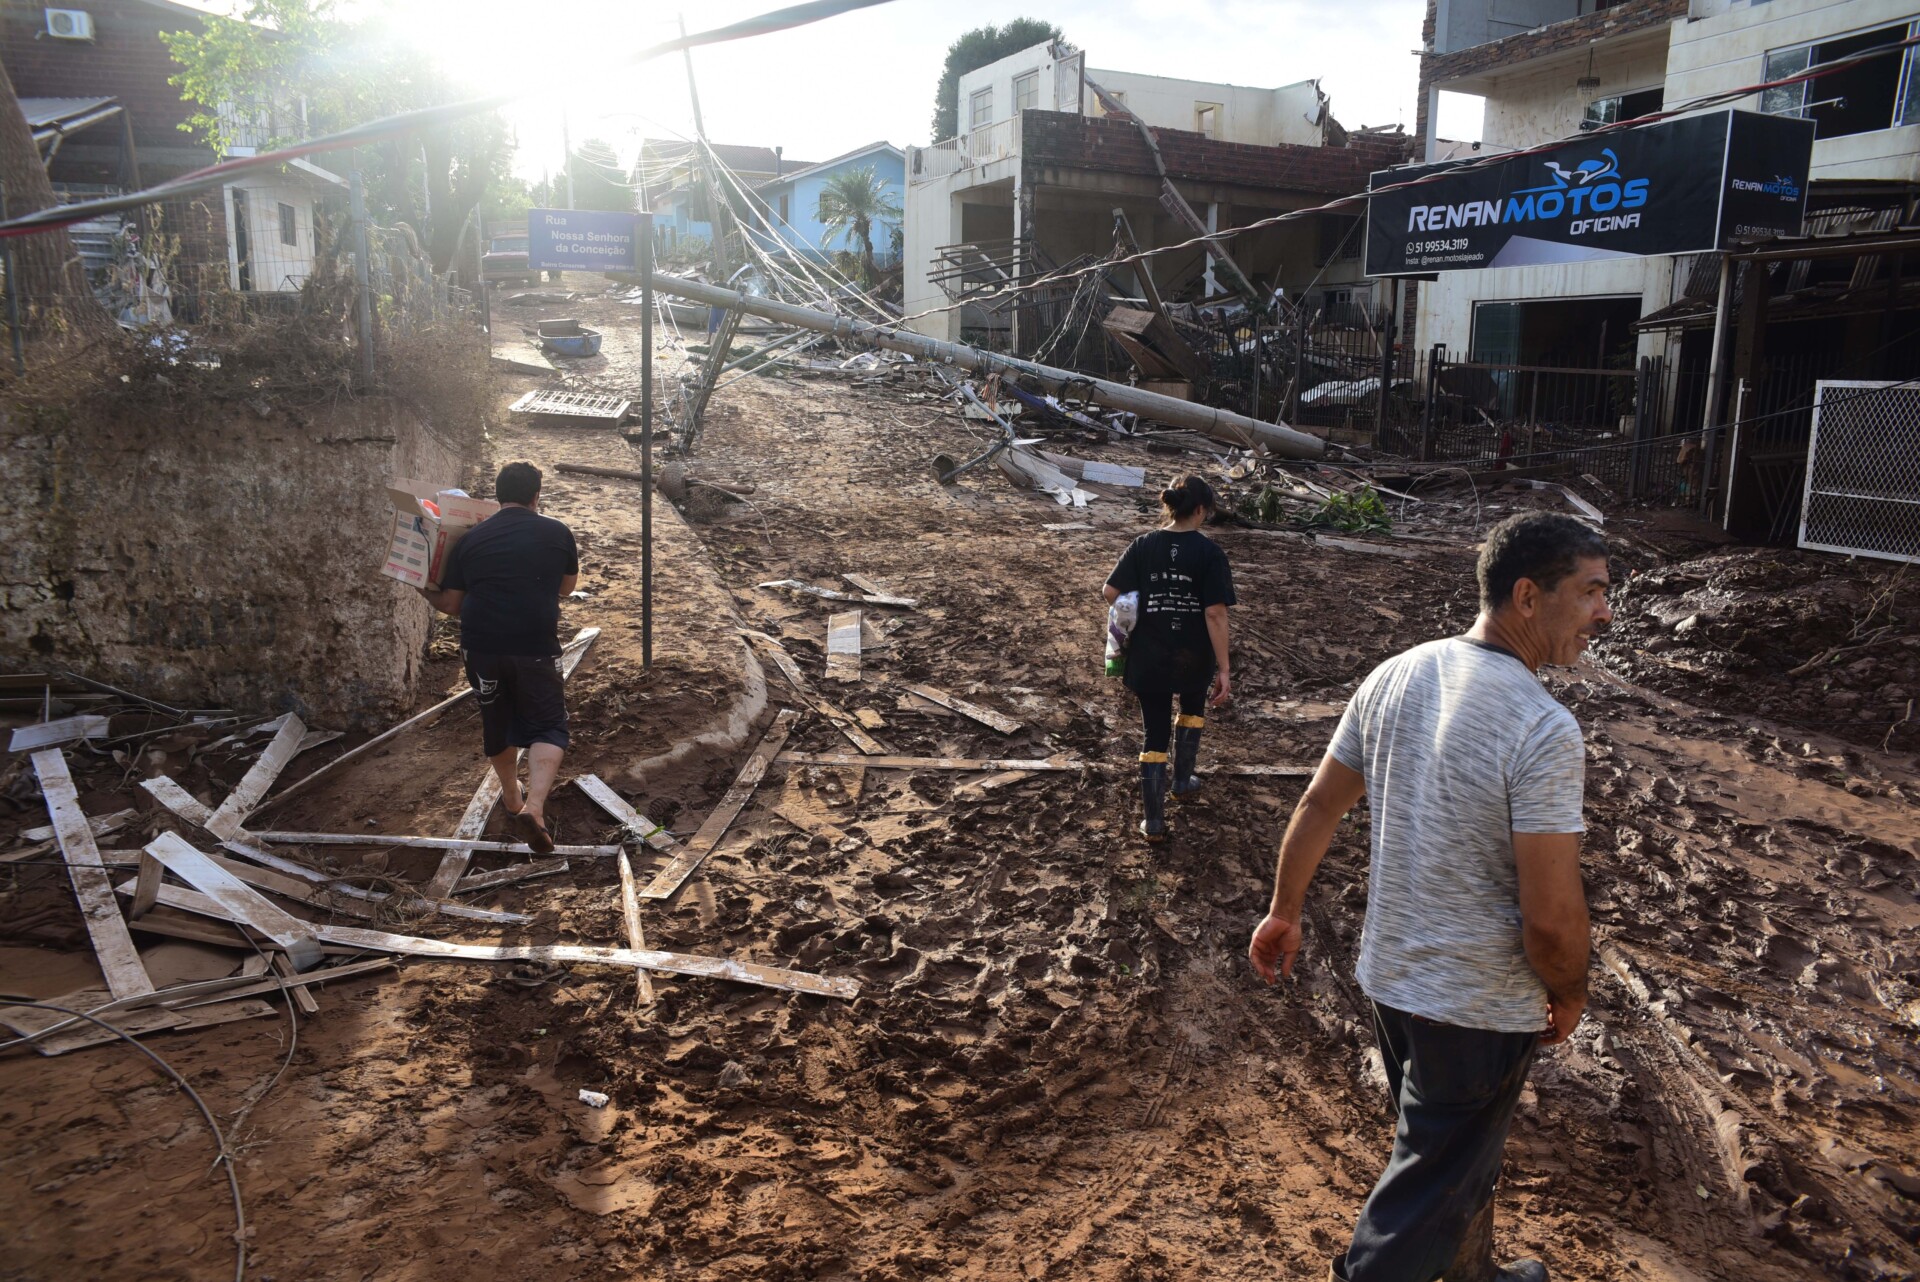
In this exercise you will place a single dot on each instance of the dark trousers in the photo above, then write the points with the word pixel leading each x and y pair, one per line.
pixel 1455 1089
pixel 1156 713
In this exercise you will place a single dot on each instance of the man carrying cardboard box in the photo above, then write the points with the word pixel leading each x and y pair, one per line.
pixel 504 581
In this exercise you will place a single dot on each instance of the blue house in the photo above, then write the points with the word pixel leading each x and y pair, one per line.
pixel 792 204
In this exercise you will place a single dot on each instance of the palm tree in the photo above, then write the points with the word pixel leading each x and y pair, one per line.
pixel 850 204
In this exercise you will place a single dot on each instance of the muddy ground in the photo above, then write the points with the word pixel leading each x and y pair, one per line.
pixel 1060 1066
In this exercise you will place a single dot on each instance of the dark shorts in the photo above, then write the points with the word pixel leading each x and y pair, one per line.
pixel 522 700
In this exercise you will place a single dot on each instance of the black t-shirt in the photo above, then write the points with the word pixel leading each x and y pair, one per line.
pixel 1178 575
pixel 510 566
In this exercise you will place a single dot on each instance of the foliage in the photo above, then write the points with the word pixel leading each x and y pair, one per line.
pixel 851 203
pixel 1356 512
pixel 294 68
pixel 974 50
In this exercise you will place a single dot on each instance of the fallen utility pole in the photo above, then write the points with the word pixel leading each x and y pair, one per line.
pixel 1222 425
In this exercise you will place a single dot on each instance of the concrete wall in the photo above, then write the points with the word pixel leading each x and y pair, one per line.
pixel 999 77
pixel 276 267
pixel 199 554
pixel 1445 312
pixel 1531 108
pixel 1264 117
pixel 1461 24
pixel 1725 47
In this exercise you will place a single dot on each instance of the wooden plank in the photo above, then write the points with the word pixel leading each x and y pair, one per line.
pixel 985 716
pixel 99 825
pixel 169 924
pixel 772 648
pixel 843 646
pixel 978 788
pixel 870 719
pixel 425 843
pixel 851 727
pixel 507 876
pixel 660 963
pixel 296 983
pixel 353 901
pixel 857 598
pixel 242 902
pixel 669 879
pixel 1059 762
pixel 808 822
pixel 112 945
pixel 642 828
pixel 253 786
pixel 324 891
pixel 146 887
pixel 846 725
pixel 354 754
pixel 299 996
pixel 636 939
pixel 1377 549
pixel 48 734
pixel 866 585
pixel 80 1034
pixel 453 865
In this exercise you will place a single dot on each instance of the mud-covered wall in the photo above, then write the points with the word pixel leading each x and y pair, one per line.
pixel 209 554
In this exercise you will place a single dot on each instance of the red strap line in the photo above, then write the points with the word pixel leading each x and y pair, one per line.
pixel 798 15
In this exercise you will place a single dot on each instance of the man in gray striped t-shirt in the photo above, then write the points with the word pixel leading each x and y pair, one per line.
pixel 1474 950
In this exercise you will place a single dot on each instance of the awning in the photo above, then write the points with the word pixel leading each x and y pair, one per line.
pixel 52 119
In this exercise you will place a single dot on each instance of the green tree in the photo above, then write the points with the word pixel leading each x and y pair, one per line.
pixel 974 50
pixel 291 68
pixel 851 203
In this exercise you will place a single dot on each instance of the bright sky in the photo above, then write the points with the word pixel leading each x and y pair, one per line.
pixel 870 75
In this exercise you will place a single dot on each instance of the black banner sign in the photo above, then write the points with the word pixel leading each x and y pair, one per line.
pixel 1678 187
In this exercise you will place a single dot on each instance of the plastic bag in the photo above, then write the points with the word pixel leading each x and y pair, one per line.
pixel 1121 616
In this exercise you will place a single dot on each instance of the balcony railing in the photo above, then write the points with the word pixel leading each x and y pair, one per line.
pixel 996 141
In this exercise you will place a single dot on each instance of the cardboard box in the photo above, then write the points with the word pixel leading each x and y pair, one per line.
pixel 422 539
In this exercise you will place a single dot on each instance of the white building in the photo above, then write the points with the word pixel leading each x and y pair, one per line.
pixel 1036 176
pixel 1543 68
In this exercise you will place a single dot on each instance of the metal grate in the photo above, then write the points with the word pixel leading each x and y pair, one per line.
pixel 1863 470
pixel 593 405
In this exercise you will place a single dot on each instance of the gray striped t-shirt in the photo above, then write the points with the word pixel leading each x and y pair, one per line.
pixel 1461 747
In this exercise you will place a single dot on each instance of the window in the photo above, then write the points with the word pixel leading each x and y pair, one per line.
pixel 980 109
pixel 1878 94
pixel 1206 118
pixel 1026 91
pixel 289 225
pixel 1626 106
pixel 786 207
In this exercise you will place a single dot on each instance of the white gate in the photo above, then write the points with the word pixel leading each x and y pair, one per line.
pixel 1863 470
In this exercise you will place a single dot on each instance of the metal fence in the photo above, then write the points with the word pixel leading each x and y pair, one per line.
pixel 1862 492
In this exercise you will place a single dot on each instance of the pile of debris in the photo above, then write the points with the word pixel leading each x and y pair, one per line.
pixel 217 875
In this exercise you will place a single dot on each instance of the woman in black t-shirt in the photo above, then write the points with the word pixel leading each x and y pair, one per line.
pixel 1178 649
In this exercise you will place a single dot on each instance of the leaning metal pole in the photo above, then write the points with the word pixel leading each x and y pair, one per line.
pixel 1221 425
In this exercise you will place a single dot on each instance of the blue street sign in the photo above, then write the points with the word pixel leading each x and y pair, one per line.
pixel 582 240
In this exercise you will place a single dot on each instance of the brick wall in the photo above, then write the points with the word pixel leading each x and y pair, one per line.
pixel 124 60
pixel 1558 37
pixel 1112 146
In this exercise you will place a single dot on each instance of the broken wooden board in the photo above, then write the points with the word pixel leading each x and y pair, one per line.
pixel 240 803
pixel 243 903
pixel 669 879
pixel 169 924
pixel 985 716
pixel 99 825
pixel 299 996
pixel 325 892
pixel 340 897
pixel 871 720
pixel 772 648
pixel 806 821
pixel 477 881
pixel 829 594
pixel 295 983
pixel 80 1034
pixel 48 734
pixel 1059 762
pixel 453 865
pixel 112 945
pixel 789 669
pixel 691 965
pixel 630 915
pixel 979 788
pixel 866 585
pixel 425 843
pixel 522 358
pixel 843 646
pixel 642 828
pixel 1377 549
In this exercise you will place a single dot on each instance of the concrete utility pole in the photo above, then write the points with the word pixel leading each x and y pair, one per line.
pixel 1221 425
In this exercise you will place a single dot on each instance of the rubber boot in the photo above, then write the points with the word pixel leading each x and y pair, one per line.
pixel 1186 753
pixel 1153 794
